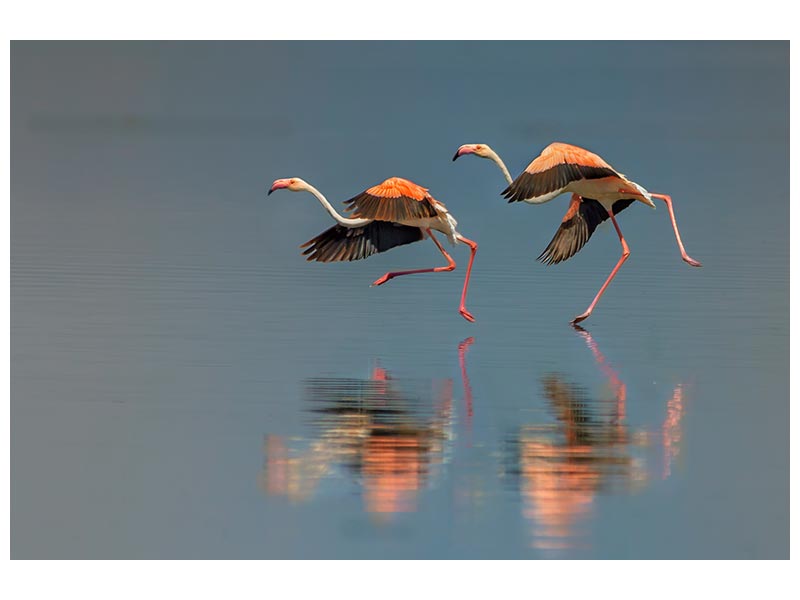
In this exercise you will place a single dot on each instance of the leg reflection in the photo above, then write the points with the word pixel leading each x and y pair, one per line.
pixel 586 449
pixel 462 362
pixel 671 432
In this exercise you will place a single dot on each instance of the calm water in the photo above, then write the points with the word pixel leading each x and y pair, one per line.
pixel 184 384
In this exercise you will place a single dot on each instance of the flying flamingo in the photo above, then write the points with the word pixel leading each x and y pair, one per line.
pixel 598 192
pixel 393 213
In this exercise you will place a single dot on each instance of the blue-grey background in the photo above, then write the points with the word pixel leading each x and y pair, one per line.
pixel 165 330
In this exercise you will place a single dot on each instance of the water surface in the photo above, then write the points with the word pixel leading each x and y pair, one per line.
pixel 184 384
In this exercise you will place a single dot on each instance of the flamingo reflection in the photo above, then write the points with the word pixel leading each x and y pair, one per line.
pixel 391 441
pixel 588 450
pixel 671 430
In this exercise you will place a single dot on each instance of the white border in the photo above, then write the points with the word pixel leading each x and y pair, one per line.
pixel 411 19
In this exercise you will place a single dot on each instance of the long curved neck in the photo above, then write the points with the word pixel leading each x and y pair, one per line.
pixel 332 211
pixel 499 162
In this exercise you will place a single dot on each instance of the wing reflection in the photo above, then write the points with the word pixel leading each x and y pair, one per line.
pixel 588 450
pixel 381 433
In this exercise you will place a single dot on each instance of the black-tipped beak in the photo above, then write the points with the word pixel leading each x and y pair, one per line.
pixel 278 184
pixel 456 155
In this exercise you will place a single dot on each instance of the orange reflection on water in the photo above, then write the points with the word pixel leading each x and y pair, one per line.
pixel 563 466
pixel 671 432
pixel 389 441
pixel 557 491
pixel 393 468
pixel 365 430
pixel 277 476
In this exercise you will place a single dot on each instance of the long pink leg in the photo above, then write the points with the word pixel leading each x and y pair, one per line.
pixel 625 254
pixel 450 266
pixel 473 248
pixel 668 200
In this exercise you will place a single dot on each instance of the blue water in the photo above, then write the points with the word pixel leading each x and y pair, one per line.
pixel 184 384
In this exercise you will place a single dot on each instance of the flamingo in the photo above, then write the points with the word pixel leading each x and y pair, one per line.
pixel 393 213
pixel 598 191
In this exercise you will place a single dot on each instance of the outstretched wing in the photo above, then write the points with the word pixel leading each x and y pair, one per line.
pixel 354 243
pixel 395 200
pixel 582 218
pixel 556 167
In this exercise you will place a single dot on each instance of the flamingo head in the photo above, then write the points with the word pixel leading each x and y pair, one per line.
pixel 293 184
pixel 482 150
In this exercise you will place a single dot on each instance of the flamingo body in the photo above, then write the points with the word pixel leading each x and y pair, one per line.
pixel 403 202
pixel 565 168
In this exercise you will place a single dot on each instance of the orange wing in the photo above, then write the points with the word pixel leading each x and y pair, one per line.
pixel 582 218
pixel 551 171
pixel 395 200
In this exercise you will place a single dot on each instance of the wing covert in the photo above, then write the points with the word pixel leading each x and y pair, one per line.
pixel 557 166
pixel 395 200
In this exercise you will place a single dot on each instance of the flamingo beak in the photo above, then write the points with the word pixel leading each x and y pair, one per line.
pixel 465 149
pixel 278 184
